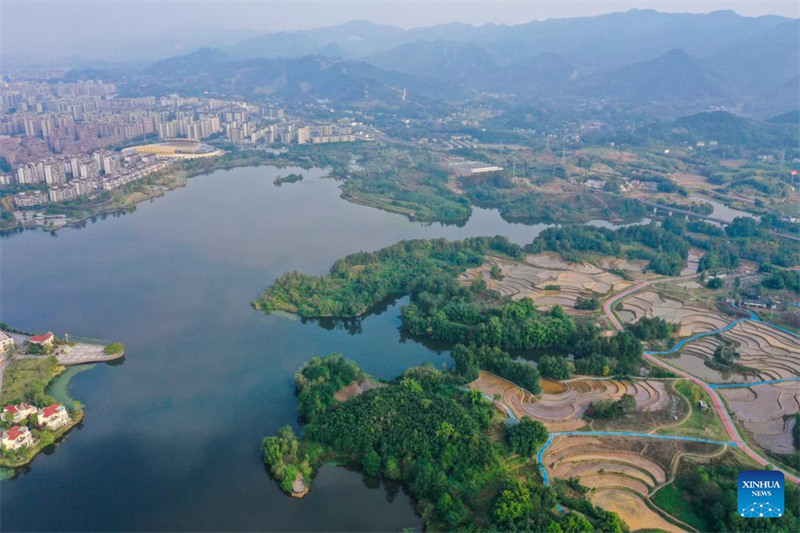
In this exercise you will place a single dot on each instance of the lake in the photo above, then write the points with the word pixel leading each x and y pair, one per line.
pixel 171 435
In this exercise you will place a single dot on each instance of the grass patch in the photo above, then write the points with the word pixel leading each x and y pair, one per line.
pixel 706 424
pixel 670 499
pixel 27 379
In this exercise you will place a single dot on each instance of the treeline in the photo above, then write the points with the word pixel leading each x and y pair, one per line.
pixel 665 250
pixel 780 279
pixel 711 491
pixel 361 280
pixel 433 436
pixel 652 328
pixel 471 359
pixel 443 310
pixel 666 246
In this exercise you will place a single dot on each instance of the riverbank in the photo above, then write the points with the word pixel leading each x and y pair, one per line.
pixel 42 439
pixel 125 199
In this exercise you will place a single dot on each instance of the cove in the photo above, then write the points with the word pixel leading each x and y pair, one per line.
pixel 171 436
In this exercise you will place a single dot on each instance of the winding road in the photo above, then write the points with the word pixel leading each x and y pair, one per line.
pixel 730 427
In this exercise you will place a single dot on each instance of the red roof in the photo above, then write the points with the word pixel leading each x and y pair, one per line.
pixel 42 338
pixel 11 409
pixel 15 432
pixel 50 410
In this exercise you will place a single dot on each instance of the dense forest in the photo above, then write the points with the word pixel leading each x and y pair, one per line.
pixel 435 437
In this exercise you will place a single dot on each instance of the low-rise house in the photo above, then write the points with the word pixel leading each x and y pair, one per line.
pixel 52 417
pixel 6 342
pixel 16 437
pixel 45 340
pixel 15 413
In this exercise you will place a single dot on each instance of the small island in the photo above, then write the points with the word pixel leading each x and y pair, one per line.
pixel 291 178
pixel 31 419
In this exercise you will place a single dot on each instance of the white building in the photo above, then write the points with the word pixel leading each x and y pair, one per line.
pixel 17 437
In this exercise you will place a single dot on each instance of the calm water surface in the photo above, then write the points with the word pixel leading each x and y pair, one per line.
pixel 171 436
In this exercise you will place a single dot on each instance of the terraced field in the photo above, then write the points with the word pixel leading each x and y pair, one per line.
pixel 562 410
pixel 622 472
pixel 774 353
pixel 531 277
pixel 771 353
pixel 651 303
pixel 766 411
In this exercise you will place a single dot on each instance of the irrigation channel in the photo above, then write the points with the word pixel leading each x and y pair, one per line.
pixel 719 406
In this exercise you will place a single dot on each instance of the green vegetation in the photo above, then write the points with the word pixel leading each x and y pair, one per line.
pixel 666 251
pixel 652 328
pixel 27 379
pixel 704 423
pixel 670 499
pixel 438 439
pixel 605 409
pixel 289 458
pixel 359 281
pixel 526 437
pixel 725 357
pixel 710 492
pixel 470 359
pixel 443 309
pixel 291 178
pixel 42 439
pixel 554 367
pixel 780 279
pixel 587 304
pixel 114 348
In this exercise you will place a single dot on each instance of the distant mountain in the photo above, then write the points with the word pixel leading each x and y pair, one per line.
pixel 657 62
pixel 447 60
pixel 290 79
pixel 543 74
pixel 730 129
pixel 792 117
pixel 762 62
pixel 352 39
pixel 672 77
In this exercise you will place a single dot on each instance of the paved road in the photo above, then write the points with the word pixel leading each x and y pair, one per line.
pixel 730 427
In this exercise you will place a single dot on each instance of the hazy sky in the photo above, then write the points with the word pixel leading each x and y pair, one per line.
pixel 38 27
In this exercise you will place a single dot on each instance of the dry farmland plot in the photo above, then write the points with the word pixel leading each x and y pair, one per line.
pixel 631 510
pixel 693 320
pixel 531 277
pixel 621 471
pixel 766 412
pixel 563 409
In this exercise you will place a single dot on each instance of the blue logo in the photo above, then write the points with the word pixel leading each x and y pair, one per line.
pixel 760 494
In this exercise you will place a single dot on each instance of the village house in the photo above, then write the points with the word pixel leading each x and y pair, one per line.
pixel 16 437
pixel 45 340
pixel 15 413
pixel 53 417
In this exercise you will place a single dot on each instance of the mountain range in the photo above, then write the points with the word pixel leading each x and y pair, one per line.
pixel 684 62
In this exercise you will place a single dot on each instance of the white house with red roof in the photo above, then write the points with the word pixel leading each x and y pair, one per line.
pixel 45 339
pixel 16 437
pixel 53 417
pixel 15 413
